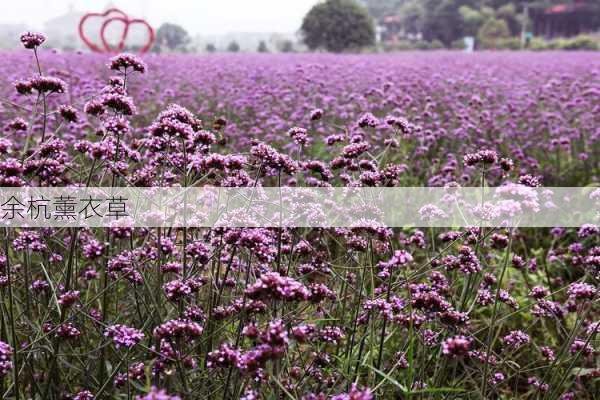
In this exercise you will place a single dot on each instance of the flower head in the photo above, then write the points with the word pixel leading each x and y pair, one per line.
pixel 157 394
pixel 48 84
pixel 457 346
pixel 124 61
pixel 516 339
pixel 124 336
pixel 69 113
pixel 31 40
pixel 5 358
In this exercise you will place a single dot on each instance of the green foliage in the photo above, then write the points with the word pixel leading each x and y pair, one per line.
pixel 511 43
pixel 408 45
pixel 451 20
pixel 472 18
pixel 338 25
pixel 382 8
pixel 509 14
pixel 173 36
pixel 412 13
pixel 581 42
pixel 538 44
pixel 443 21
pixel 458 44
pixel 492 32
pixel 436 45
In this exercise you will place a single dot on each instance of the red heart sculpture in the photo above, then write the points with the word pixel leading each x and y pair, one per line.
pixel 120 16
pixel 126 25
pixel 87 17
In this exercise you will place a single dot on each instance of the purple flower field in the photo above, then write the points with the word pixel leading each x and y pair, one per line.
pixel 311 314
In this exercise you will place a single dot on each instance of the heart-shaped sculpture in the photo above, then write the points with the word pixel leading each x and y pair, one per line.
pixel 108 17
pixel 127 23
pixel 90 16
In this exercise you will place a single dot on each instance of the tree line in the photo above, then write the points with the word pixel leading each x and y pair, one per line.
pixel 337 25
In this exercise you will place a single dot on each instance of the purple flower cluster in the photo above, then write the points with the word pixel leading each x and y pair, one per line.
pixel 457 346
pixel 157 394
pixel 273 285
pixel 178 328
pixel 31 40
pixel 516 339
pixel 5 359
pixel 124 61
pixel 41 84
pixel 124 336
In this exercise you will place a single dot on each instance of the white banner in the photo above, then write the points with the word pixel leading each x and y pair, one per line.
pixel 511 205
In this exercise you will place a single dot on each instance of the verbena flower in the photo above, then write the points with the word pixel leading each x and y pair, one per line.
pixel 516 339
pixel 6 364
pixel 125 61
pixel 157 394
pixel 31 40
pixel 124 336
pixel 457 346
pixel 69 113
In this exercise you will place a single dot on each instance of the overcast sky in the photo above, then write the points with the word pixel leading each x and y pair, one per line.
pixel 197 16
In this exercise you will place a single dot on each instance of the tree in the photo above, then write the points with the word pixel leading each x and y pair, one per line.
pixel 443 21
pixel 173 36
pixel 262 47
pixel 382 8
pixel 287 46
pixel 472 18
pixel 492 32
pixel 412 14
pixel 338 25
pixel 210 48
pixel 233 47
pixel 508 13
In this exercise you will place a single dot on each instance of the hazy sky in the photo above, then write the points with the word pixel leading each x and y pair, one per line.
pixel 197 16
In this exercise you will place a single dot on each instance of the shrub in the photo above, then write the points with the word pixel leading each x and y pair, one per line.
pixel 538 44
pixel 581 42
pixel 408 45
pixel 512 43
pixel 436 45
pixel 458 44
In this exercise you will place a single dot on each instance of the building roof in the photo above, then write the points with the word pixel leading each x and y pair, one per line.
pixel 566 8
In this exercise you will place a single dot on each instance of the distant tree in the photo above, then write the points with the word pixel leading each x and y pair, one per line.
pixel 338 25
pixel 508 13
pixel 173 36
pixel 383 8
pixel 262 47
pixel 473 19
pixel 210 48
pixel 492 32
pixel 413 16
pixel 443 21
pixel 233 47
pixel 287 46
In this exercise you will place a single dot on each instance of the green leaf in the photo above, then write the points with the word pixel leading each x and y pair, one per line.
pixel 54 298
pixel 389 378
